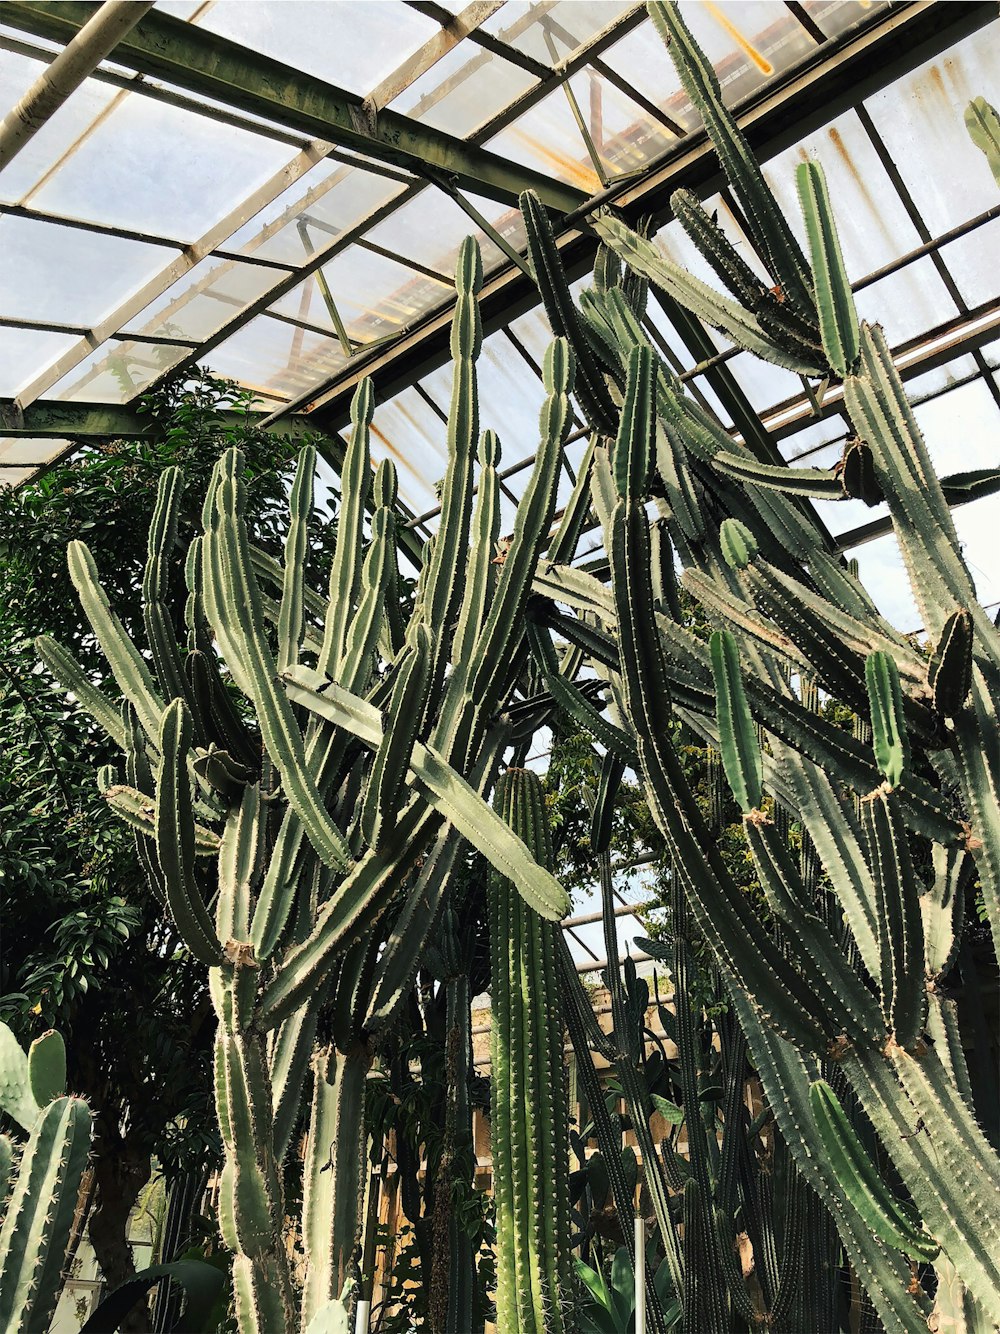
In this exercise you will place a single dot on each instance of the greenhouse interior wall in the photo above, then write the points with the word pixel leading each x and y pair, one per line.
pixel 499 666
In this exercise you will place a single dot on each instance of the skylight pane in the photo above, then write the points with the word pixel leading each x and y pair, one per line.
pixel 161 169
pixel 907 302
pixel 546 137
pixel 463 90
pixel 747 41
pixel 205 299
pixel 430 228
pixel 45 149
pixel 407 430
pixel 920 119
pixel 66 276
pixel 550 32
pixel 277 358
pixel 971 261
pixel 353 44
pixel 26 352
pixel 15 451
pixel 117 372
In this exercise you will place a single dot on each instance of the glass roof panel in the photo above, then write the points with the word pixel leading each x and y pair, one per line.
pixel 205 299
pixel 42 152
pixel 920 119
pixel 276 358
pixel 25 352
pixel 117 372
pixel 907 302
pixel 551 30
pixel 837 16
pixel 977 524
pixel 15 476
pixel 18 451
pixel 463 90
pixel 625 135
pixel 66 276
pixel 430 229
pixel 374 296
pixel 353 44
pixel 872 223
pixel 409 431
pixel 971 261
pixel 160 169
pixel 546 137
pixel 643 62
pixel 881 570
pixel 746 41
pixel 330 195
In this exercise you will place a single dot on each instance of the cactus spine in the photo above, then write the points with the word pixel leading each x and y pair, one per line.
pixel 529 1126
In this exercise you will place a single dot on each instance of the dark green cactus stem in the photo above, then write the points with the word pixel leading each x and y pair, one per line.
pixel 530 1135
pixel 39 1216
pixel 838 319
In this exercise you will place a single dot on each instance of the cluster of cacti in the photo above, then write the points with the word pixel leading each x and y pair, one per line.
pixel 39 1179
pixel 322 816
pixel 856 993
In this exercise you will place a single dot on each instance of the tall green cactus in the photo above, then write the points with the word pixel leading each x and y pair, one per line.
pixel 528 1095
pixel 40 1210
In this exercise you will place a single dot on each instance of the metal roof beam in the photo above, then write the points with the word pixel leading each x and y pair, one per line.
pixel 204 63
pixel 51 419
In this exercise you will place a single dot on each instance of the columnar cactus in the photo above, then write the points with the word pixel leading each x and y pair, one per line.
pixel 39 1212
pixel 530 1140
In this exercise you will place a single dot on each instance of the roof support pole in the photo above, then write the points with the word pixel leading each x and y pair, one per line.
pixel 96 39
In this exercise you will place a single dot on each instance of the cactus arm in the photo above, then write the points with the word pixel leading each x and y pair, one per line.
pixel 889 1219
pixel 901 944
pixel 16 1097
pixel 564 543
pixel 481 572
pixel 155 588
pixel 771 233
pixel 715 309
pixel 563 316
pixel 354 668
pixel 631 455
pixel 345 570
pixel 442 591
pixel 175 837
pixel 239 852
pixel 740 748
pixel 291 616
pixel 124 659
pixel 720 600
pixel 47 1068
pixel 838 319
pixel 399 734
pixel 820 483
pixel 288 1063
pixel 138 810
pixel 530 1137
pixel 66 670
pixel 39 1217
pixel 333 1174
pixel 244 643
pixel 890 737
pixel 983 124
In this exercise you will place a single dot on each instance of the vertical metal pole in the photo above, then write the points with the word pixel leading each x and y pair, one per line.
pixel 640 1275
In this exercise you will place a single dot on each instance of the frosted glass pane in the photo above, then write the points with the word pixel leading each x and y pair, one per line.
pixel 883 574
pixel 625 136
pixel 872 223
pixel 961 428
pixel 117 372
pixel 551 31
pixel 764 384
pixel 546 137
pixel 463 90
pixel 747 41
pixel 977 525
pixel 971 260
pixel 15 476
pixel 430 229
pixel 66 276
pixel 907 303
pixel 642 59
pixel 327 200
pixel 836 16
pixel 161 169
pixel 407 430
pixel 212 294
pixel 276 358
pixel 16 451
pixel 374 296
pixel 920 119
pixel 57 135
pixel 24 353
pixel 510 397
pixel 353 44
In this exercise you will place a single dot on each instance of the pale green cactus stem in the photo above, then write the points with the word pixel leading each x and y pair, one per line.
pixel 529 1128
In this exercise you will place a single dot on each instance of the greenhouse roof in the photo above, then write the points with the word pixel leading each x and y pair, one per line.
pixel 278 190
